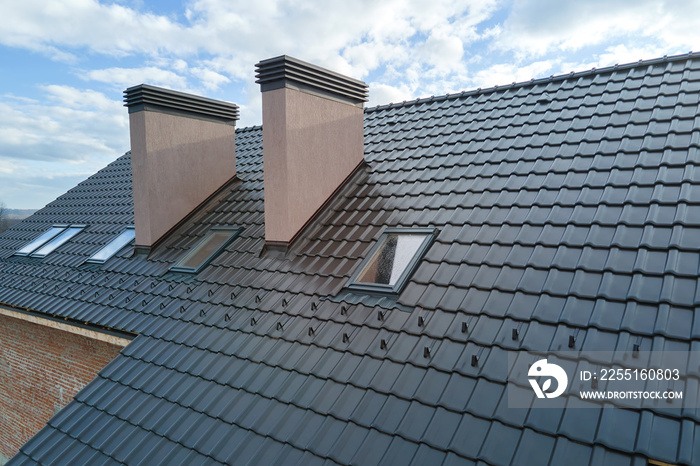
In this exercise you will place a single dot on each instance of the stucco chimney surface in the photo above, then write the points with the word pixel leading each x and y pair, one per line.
pixel 182 152
pixel 313 140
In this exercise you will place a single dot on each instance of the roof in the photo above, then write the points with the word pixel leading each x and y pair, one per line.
pixel 567 204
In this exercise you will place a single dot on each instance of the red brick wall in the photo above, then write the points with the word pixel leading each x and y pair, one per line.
pixel 41 369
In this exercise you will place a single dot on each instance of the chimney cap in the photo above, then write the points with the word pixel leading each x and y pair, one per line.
pixel 286 71
pixel 147 97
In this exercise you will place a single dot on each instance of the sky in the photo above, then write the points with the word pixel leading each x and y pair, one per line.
pixel 65 64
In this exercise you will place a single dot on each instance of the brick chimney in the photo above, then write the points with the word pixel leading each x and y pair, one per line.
pixel 182 152
pixel 313 140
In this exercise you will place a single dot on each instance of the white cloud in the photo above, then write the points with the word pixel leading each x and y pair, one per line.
pixel 127 77
pixel 536 27
pixel 211 80
pixel 8 166
pixel 71 125
pixel 444 52
pixel 623 54
pixel 503 74
pixel 110 29
pixel 47 145
pixel 384 94
pixel 221 40
pixel 72 98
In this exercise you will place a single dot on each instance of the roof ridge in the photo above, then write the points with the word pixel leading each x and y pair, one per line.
pixel 533 81
pixel 248 128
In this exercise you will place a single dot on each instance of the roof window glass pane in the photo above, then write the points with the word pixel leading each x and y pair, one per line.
pixel 392 260
pixel 52 233
pixel 208 248
pixel 113 247
pixel 49 247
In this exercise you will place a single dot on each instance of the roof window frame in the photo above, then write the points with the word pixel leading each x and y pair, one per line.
pixel 385 289
pixel 61 228
pixel 92 259
pixel 58 239
pixel 235 233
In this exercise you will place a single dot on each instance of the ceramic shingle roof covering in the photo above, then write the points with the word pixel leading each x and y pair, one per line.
pixel 563 205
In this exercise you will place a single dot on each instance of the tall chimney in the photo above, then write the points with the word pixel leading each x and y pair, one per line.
pixel 182 152
pixel 313 140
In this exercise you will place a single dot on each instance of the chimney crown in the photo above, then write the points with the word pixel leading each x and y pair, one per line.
pixel 290 72
pixel 147 97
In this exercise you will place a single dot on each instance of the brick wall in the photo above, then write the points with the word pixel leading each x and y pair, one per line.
pixel 41 369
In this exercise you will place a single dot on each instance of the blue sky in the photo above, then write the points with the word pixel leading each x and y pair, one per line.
pixel 65 64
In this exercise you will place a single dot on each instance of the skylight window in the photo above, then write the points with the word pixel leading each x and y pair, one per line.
pixel 206 250
pixel 114 246
pixel 63 237
pixel 48 235
pixel 392 260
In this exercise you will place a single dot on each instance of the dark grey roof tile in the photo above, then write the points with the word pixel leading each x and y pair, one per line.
pixel 544 420
pixel 365 371
pixel 509 415
pixel 457 392
pixel 615 286
pixel 687 442
pixel 408 381
pixel 470 436
pixel 247 445
pixel 485 398
pixel 327 436
pixel 60 452
pixel 431 387
pixel 347 364
pixel 572 453
pixel 533 281
pixel 558 282
pixel 598 340
pixel 427 455
pixel 645 288
pixel 270 451
pixel 312 422
pixel 441 427
pixel 500 444
pixel 534 448
pixel 309 390
pixel 602 455
pixel 577 312
pixel 415 422
pixel 326 397
pixel 368 408
pixel 346 446
pixel 548 308
pixel 637 318
pixel 538 336
pixel 614 429
pixel 372 449
pixel 391 414
pixel 346 402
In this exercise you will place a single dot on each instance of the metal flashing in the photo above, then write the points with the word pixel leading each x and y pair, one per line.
pixel 109 336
